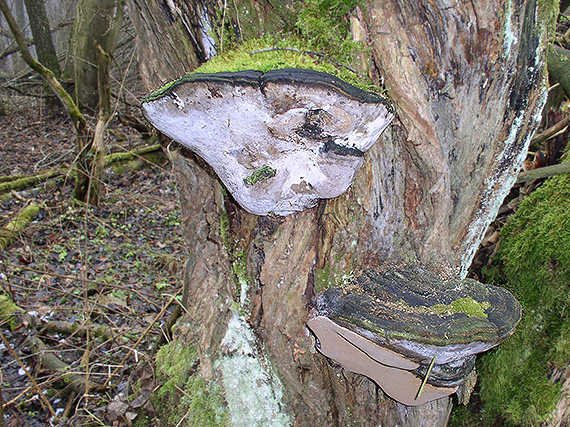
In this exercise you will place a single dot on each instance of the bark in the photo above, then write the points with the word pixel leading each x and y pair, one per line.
pixel 559 68
pixel 467 80
pixel 41 32
pixel 97 22
pixel 561 415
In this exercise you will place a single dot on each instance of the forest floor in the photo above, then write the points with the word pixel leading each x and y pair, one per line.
pixel 95 284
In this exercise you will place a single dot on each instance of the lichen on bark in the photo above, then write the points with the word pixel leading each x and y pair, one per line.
pixel 199 403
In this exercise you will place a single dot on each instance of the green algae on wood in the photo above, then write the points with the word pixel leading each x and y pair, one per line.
pixel 10 231
pixel 410 316
pixel 265 172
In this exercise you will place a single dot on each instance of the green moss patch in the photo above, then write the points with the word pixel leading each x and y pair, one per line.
pixel 533 262
pixel 184 398
pixel 7 309
pixel 468 306
pixel 315 35
pixel 262 174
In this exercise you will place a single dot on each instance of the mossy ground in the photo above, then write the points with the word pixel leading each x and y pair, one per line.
pixel 184 398
pixel 533 262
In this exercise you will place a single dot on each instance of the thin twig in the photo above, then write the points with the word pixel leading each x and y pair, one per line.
pixel 147 330
pixel 307 52
pixel 425 378
pixel 552 131
pixel 36 386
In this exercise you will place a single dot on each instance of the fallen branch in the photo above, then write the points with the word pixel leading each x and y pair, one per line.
pixel 21 182
pixel 39 391
pixel 544 172
pixel 25 181
pixel 77 382
pixel 10 231
pixel 131 155
pixel 50 361
pixel 72 328
pixel 551 131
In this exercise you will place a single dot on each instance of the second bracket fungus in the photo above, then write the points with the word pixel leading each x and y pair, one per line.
pixel 280 140
pixel 414 335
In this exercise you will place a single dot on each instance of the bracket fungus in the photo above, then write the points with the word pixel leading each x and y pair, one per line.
pixel 411 333
pixel 280 140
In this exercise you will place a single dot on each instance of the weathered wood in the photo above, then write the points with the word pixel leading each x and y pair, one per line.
pixel 466 121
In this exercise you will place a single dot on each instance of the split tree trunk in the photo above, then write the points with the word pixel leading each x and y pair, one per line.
pixel 468 83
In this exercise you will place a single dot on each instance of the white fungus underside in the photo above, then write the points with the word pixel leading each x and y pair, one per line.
pixel 238 130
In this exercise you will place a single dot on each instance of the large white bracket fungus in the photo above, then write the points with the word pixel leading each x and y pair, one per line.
pixel 392 326
pixel 280 140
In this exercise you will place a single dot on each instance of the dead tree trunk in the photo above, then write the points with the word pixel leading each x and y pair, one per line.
pixel 467 80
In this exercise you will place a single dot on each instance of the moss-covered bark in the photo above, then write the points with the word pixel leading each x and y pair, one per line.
pixel 183 398
pixel 26 181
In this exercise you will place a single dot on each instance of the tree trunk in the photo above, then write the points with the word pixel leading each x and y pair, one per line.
pixel 467 80
pixel 41 32
pixel 96 22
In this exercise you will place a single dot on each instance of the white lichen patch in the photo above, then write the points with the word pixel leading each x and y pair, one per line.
pixel 510 39
pixel 514 150
pixel 312 137
pixel 253 392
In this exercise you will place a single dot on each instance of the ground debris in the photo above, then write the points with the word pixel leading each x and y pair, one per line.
pixel 97 284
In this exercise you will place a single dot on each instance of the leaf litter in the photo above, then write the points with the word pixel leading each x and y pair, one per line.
pixel 96 284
